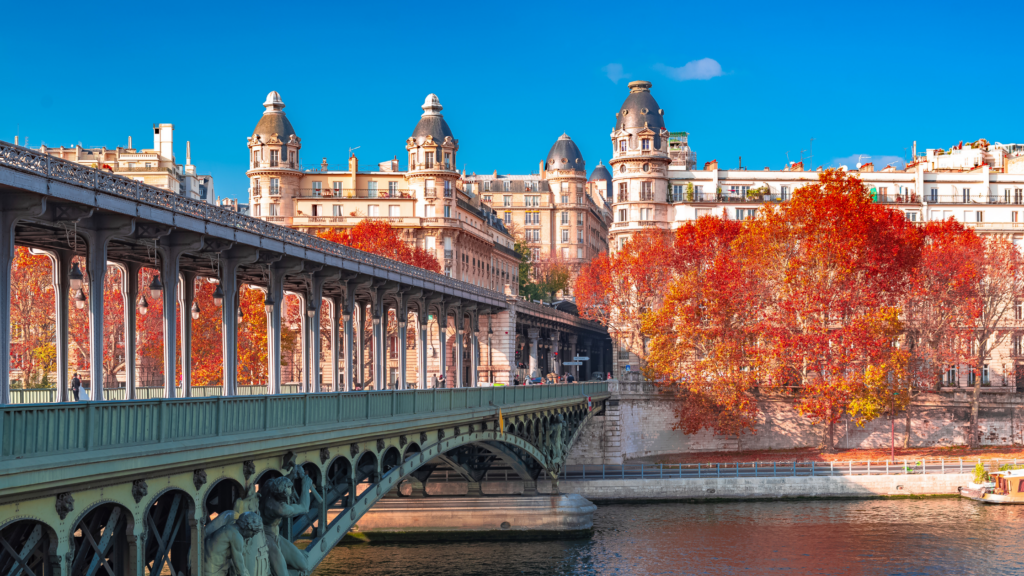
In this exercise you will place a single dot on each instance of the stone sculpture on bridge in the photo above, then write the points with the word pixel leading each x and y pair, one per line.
pixel 276 505
pixel 224 550
pixel 255 551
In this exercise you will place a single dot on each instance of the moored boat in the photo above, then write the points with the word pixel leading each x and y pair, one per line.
pixel 1006 487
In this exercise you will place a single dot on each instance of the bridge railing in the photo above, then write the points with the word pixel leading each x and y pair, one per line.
pixel 33 430
pixel 44 395
pixel 778 469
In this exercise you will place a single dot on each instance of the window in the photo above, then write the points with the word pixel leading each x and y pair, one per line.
pixel 579 188
pixel 505 184
pixel 622 145
pixel 1018 310
pixel 430 160
pixel 784 193
pixel 952 378
pixel 933 195
pixel 487 198
pixel 622 215
pixel 745 213
pixel 645 144
pixel 966 195
pixel 431 211
pixel 579 236
pixel 394 210
pixel 131 165
pixel 507 200
pixel 338 186
pixel 275 186
pixel 565 236
pixel 533 235
pixel 579 218
pixel 883 192
pixel 274 154
pixel 579 253
pixel 979 216
pixel 623 192
pixel 645 213
pixel 336 210
pixel 579 198
pixel 646 191
pixel 273 210
pixel 447 211
pixel 431 243
pixel 1013 216
pixel 371 189
pixel 447 161
pixel 565 253
pixel 565 218
pixel 623 354
pixel 392 187
pixel 373 210
pixel 318 210
pixel 317 189
pixel 677 193
pixel 913 216
pixel 565 199
pixel 508 217
pixel 1018 195
pixel 447 188
pixel 256 210
pixel 1017 347
pixel 532 200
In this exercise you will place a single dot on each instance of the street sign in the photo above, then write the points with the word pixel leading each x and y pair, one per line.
pixel 583 358
pixel 572 363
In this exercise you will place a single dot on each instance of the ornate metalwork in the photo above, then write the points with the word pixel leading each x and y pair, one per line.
pixel 423 437
pixel 65 504
pixel 458 431
pixel 288 460
pixel 440 434
pixel 325 455
pixel 139 490
pixel 199 478
pixel 353 450
pixel 380 444
pixel 402 441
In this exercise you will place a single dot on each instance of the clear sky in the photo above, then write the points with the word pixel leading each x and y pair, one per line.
pixel 755 79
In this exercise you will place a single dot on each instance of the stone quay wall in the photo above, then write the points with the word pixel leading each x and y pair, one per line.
pixel 638 423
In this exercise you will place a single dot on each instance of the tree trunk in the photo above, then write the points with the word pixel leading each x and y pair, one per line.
pixel 830 439
pixel 974 441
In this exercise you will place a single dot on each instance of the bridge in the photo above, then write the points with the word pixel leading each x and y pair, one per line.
pixel 139 487
pixel 65 209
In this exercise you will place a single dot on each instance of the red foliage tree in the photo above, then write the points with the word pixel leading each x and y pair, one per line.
pixel 33 346
pixel 381 238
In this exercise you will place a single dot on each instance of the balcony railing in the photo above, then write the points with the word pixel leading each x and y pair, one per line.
pixel 353 193
pixel 271 164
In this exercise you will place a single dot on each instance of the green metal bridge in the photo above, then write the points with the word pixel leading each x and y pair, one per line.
pixel 145 486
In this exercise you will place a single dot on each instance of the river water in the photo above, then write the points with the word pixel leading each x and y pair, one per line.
pixel 899 537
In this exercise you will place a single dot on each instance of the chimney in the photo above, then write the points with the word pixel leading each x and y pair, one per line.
pixel 15 140
pixel 713 165
pixel 188 153
pixel 869 167
pixel 540 170
pixel 129 142
pixel 163 141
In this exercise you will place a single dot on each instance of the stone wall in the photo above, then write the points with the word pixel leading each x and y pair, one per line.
pixel 638 423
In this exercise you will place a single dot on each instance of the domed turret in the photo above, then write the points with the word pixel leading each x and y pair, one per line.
pixel 640 109
pixel 565 155
pixel 274 120
pixel 600 173
pixel 432 122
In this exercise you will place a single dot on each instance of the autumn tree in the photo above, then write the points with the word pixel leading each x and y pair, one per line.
pixel 618 290
pixel 939 305
pixel 998 288
pixel 703 338
pixel 381 238
pixel 33 336
pixel 832 266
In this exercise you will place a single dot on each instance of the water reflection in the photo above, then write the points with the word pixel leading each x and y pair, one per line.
pixel 892 537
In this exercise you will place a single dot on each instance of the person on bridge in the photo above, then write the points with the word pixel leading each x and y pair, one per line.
pixel 276 507
pixel 441 382
pixel 224 550
pixel 569 378
pixel 76 386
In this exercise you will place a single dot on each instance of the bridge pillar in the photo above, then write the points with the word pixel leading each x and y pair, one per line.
pixel 534 335
pixel 346 318
pixel 382 356
pixel 556 359
pixel 474 350
pixel 315 303
pixel 229 313
pixel 336 343
pixel 360 346
pixel 304 344
pixel 12 209
pixel 130 289
pixel 460 364
pixel 376 344
pixel 442 336
pixel 98 234
pixel 275 296
pixel 530 488
pixel 187 298
pixel 572 355
pixel 421 345
pixel 171 248
pixel 61 260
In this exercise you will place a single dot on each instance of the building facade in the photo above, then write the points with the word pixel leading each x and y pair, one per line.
pixel 426 202
pixel 655 184
pixel 561 214
pixel 155 166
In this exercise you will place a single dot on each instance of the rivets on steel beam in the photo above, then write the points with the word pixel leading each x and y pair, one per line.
pixel 65 504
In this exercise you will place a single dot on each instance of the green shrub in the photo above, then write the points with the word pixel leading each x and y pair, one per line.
pixel 981 475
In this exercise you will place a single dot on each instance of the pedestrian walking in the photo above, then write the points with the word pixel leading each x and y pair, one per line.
pixel 76 387
pixel 441 381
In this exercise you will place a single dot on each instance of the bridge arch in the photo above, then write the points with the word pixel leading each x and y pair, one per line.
pixel 171 537
pixel 35 543
pixel 221 495
pixel 89 547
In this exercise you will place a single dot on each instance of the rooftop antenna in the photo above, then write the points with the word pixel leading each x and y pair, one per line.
pixel 811 157
pixel 859 158
pixel 351 150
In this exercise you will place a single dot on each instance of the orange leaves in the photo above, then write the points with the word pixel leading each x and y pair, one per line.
pixel 378 237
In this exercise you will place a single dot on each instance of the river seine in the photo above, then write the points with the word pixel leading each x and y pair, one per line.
pixel 898 537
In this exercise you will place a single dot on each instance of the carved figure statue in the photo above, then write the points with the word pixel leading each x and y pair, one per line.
pixel 556 433
pixel 276 505
pixel 255 549
pixel 224 549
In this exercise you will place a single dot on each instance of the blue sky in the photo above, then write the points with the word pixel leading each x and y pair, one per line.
pixel 755 80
